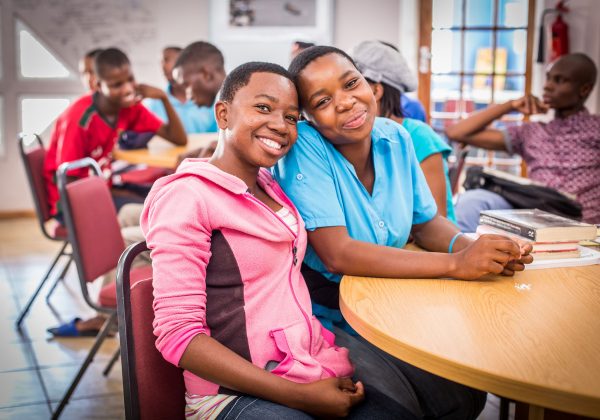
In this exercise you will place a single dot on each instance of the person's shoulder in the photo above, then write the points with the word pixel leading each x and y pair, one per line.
pixel 309 139
pixel 385 128
pixel 78 108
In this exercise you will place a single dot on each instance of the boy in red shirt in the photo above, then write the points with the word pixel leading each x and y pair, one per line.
pixel 91 126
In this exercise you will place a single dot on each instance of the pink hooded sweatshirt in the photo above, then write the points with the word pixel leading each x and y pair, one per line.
pixel 227 266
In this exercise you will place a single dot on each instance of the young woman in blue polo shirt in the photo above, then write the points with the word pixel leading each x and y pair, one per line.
pixel 357 183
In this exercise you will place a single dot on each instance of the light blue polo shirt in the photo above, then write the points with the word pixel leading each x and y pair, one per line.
pixel 426 143
pixel 324 187
pixel 195 119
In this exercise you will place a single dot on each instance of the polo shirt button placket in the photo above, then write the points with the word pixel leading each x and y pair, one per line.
pixel 299 177
pixel 381 224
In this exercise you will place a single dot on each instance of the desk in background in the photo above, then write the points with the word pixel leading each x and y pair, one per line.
pixel 163 154
pixel 534 337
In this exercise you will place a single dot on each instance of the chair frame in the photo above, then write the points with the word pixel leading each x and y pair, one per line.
pixel 39 213
pixel 111 312
pixel 130 389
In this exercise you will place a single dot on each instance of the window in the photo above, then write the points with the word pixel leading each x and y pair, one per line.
pixel 35 60
pixel 37 114
pixel 480 54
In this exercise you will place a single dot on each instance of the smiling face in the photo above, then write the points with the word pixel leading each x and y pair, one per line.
pixel 259 124
pixel 117 85
pixel 337 99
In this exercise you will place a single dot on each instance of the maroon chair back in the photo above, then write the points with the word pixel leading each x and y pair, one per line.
pixel 33 160
pixel 91 220
pixel 153 387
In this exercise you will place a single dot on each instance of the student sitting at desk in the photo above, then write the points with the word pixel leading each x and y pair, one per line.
pixel 358 186
pixel 195 119
pixel 379 64
pixel 91 126
pixel 231 306
pixel 563 154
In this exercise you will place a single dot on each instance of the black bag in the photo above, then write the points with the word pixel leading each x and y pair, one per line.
pixel 524 194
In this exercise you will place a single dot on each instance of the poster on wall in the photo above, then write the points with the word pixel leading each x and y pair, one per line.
pixel 264 30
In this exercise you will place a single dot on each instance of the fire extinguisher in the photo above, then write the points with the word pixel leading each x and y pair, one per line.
pixel 559 30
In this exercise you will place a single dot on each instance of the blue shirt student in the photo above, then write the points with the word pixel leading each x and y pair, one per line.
pixel 195 119
pixel 324 187
pixel 412 108
pixel 426 143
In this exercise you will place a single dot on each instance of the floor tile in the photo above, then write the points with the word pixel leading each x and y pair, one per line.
pixel 98 408
pixel 20 388
pixel 71 351
pixel 93 383
pixel 34 411
pixel 15 356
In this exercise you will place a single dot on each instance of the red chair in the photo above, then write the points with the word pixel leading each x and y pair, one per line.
pixel 153 388
pixel 33 161
pixel 95 236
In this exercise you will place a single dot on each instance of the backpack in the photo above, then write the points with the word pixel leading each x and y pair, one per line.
pixel 522 193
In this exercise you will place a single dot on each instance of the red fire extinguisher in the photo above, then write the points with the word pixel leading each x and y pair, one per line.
pixel 559 30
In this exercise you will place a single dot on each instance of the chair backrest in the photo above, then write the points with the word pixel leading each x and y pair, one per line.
pixel 91 219
pixel 153 388
pixel 33 157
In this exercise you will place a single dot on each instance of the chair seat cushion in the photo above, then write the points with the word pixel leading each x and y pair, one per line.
pixel 108 294
pixel 59 231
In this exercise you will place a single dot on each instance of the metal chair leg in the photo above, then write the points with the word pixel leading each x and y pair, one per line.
pixel 39 288
pixel 113 360
pixel 88 360
pixel 59 279
pixel 504 408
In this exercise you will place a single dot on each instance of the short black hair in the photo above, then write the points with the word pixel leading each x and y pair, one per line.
pixel 198 52
pixel 93 53
pixel 240 76
pixel 304 45
pixel 309 55
pixel 584 67
pixel 390 101
pixel 109 58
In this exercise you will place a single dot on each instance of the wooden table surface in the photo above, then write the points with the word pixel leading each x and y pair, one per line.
pixel 161 153
pixel 534 337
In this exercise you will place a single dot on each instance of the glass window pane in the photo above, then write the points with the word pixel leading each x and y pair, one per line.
pixel 445 51
pixel 35 59
pixel 479 13
pixel 477 92
pixel 511 88
pixel 446 13
pixel 37 114
pixel 445 101
pixel 515 45
pixel 478 52
pixel 513 13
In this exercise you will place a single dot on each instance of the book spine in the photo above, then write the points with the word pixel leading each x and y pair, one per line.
pixel 515 228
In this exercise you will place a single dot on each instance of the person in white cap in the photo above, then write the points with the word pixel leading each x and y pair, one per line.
pixel 386 71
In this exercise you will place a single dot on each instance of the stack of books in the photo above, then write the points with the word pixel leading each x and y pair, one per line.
pixel 552 237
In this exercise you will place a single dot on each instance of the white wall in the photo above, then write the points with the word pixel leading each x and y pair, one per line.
pixel 584 36
pixel 180 22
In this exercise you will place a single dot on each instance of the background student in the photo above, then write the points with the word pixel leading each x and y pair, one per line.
pixel 91 126
pixel 195 119
pixel 563 154
pixel 356 182
pixel 379 64
pixel 231 307
pixel 86 69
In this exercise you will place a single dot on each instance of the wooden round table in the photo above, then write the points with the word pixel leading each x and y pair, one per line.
pixel 534 337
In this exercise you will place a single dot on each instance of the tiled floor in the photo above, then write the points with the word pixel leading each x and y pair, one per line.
pixel 35 370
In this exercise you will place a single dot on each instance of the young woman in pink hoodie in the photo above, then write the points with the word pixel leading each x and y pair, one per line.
pixel 231 306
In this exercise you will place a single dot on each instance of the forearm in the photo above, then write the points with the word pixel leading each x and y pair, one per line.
pixel 360 258
pixel 477 121
pixel 174 131
pixel 209 359
pixel 436 235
